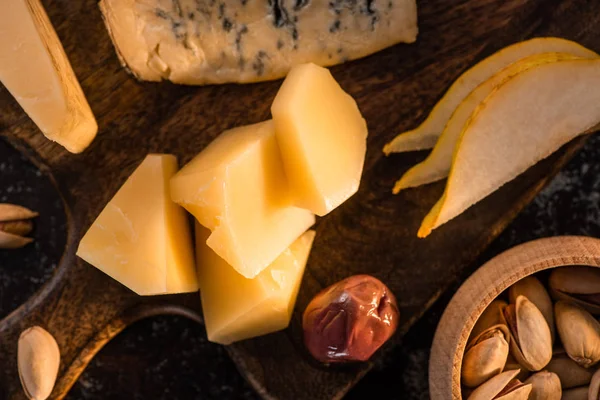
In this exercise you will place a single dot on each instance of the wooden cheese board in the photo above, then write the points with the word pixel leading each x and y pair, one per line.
pixel 374 232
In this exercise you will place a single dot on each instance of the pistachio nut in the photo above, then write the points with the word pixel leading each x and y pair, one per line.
pixel 530 340
pixel 491 316
pixel 545 386
pixel 578 393
pixel 579 285
pixel 532 288
pixel 594 391
pixel 485 356
pixel 15 223
pixel 511 364
pixel 579 333
pixel 502 387
pixel 569 372
pixel 38 359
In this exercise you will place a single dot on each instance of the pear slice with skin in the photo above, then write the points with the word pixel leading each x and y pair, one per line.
pixel 426 134
pixel 523 121
pixel 437 165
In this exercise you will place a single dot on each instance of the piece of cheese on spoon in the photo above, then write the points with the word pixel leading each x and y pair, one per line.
pixel 200 42
pixel 35 70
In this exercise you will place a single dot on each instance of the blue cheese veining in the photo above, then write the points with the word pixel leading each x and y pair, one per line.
pixel 217 41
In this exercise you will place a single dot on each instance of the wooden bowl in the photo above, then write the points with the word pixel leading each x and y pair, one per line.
pixel 489 281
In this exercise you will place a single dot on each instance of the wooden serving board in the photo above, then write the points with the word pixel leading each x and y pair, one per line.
pixel 374 232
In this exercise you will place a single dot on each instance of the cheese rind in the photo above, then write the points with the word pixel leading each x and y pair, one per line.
pixel 141 238
pixel 200 42
pixel 35 70
pixel 322 136
pixel 236 308
pixel 237 188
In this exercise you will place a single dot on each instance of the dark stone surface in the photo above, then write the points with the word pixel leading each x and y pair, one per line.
pixel 178 362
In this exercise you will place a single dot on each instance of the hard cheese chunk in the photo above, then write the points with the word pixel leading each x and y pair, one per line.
pixel 142 239
pixel 237 188
pixel 322 136
pixel 200 41
pixel 35 70
pixel 236 308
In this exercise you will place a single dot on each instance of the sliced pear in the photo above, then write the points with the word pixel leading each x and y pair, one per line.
pixel 426 134
pixel 522 121
pixel 437 165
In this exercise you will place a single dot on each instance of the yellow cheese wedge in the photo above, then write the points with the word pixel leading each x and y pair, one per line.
pixel 35 70
pixel 322 136
pixel 237 188
pixel 142 239
pixel 236 308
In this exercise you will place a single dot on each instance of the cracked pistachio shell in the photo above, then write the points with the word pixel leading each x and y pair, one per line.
pixel 485 356
pixel 530 341
pixel 579 333
pixel 14 225
pixel 491 316
pixel 569 372
pixel 579 285
pixel 502 387
pixel 534 290
pixel 38 359
pixel 545 386
pixel 578 393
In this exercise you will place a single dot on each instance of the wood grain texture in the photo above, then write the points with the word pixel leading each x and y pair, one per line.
pixel 374 232
pixel 493 278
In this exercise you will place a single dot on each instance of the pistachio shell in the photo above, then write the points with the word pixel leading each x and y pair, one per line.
pixel 545 386
pixel 512 364
pixel 578 285
pixel 520 393
pixel 532 288
pixel 485 356
pixel 579 333
pixel 531 341
pixel 594 391
pixel 491 316
pixel 578 393
pixel 569 372
pixel 494 388
pixel 38 359
pixel 11 212
pixel 10 241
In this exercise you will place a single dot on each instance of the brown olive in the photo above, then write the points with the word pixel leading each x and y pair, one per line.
pixel 350 320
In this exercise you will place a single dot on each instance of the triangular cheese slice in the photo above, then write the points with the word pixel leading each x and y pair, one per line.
pixel 141 238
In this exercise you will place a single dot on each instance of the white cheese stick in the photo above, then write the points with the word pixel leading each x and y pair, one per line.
pixel 35 70
pixel 203 41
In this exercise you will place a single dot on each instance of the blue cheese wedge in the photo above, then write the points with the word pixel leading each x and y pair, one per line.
pixel 210 41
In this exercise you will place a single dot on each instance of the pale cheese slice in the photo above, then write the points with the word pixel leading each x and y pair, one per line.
pixel 237 188
pixel 141 238
pixel 236 308
pixel 322 136
pixel 35 70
